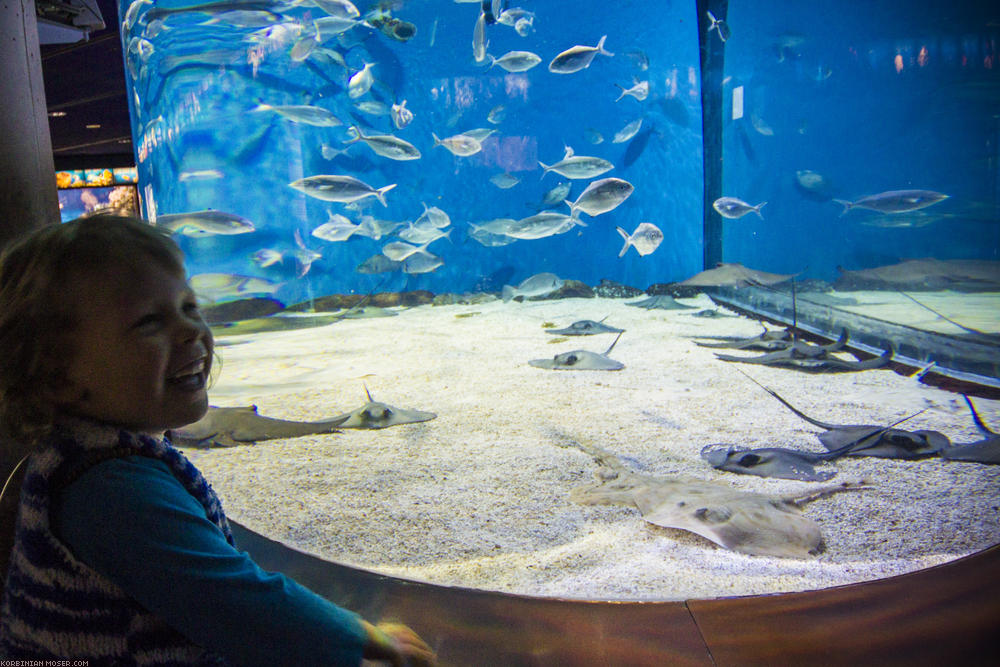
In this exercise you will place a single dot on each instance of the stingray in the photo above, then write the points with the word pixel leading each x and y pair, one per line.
pixel 808 357
pixel 768 462
pixel 272 323
pixel 770 339
pixel 734 275
pixel 585 328
pixel 750 523
pixel 711 313
pixel 786 463
pixel 227 427
pixel 927 273
pixel 581 360
pixel 986 450
pixel 794 349
pixel 868 440
pixel 375 415
pixel 660 302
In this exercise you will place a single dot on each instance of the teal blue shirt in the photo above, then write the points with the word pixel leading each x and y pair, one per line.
pixel 133 522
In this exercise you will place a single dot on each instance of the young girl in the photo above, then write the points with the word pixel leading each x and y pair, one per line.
pixel 122 554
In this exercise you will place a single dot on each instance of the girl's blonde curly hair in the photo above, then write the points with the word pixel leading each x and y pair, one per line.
pixel 37 317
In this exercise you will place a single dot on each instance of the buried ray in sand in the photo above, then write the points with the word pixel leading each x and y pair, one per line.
pixel 751 523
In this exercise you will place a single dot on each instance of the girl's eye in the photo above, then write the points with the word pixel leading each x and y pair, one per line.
pixel 191 308
pixel 149 321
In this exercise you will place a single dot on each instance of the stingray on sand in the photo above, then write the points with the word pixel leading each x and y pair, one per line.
pixel 585 328
pixel 734 275
pixel 660 302
pixel 227 427
pixel 376 415
pixel 581 360
pixel 869 440
pixel 986 450
pixel 808 357
pixel 750 523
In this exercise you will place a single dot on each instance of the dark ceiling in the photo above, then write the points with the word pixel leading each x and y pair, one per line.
pixel 86 81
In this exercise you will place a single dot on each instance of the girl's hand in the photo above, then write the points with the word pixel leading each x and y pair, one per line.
pixel 398 645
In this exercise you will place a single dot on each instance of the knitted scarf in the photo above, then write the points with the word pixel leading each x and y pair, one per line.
pixel 55 606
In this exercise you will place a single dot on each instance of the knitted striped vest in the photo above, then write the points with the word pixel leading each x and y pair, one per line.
pixel 55 606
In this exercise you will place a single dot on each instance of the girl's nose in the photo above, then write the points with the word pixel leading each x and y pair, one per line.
pixel 191 327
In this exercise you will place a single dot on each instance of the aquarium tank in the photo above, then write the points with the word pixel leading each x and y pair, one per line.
pixel 536 169
pixel 454 128
pixel 232 106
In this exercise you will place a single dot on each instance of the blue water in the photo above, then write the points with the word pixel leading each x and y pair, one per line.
pixel 833 102
pixel 875 96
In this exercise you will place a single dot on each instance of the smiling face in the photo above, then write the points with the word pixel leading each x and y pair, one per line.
pixel 141 352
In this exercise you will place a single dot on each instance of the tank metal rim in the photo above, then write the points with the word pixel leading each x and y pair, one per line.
pixel 945 613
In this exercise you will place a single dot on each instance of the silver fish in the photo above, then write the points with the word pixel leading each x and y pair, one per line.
pixel 639 91
pixel 328 57
pixel 241 18
pixel 399 251
pixel 205 223
pixel 339 8
pixel 601 196
pixel 378 264
pixel 578 166
pixel 539 284
pixel 577 58
pixel 504 181
pixel 421 262
pixel 376 229
pixel 266 257
pixel 337 228
pixel 305 256
pixel 645 239
pixel 302 48
pixel 373 108
pixel 497 114
pixel 627 132
pixel 556 195
pixel 542 225
pixel 731 207
pixel 218 286
pixel 423 235
pixel 433 217
pixel 479 42
pixel 200 175
pixel 496 226
pixel 461 145
pixel 361 81
pixel 386 145
pixel 328 27
pixel 895 201
pixel 510 17
pixel 302 113
pixel 401 116
pixel 343 189
pixel 489 239
pixel 516 61
pixel 718 25
pixel 480 133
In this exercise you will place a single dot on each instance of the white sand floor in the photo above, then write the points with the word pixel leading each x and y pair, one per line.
pixel 478 496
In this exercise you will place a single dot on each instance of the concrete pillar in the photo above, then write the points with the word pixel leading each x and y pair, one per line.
pixel 28 196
